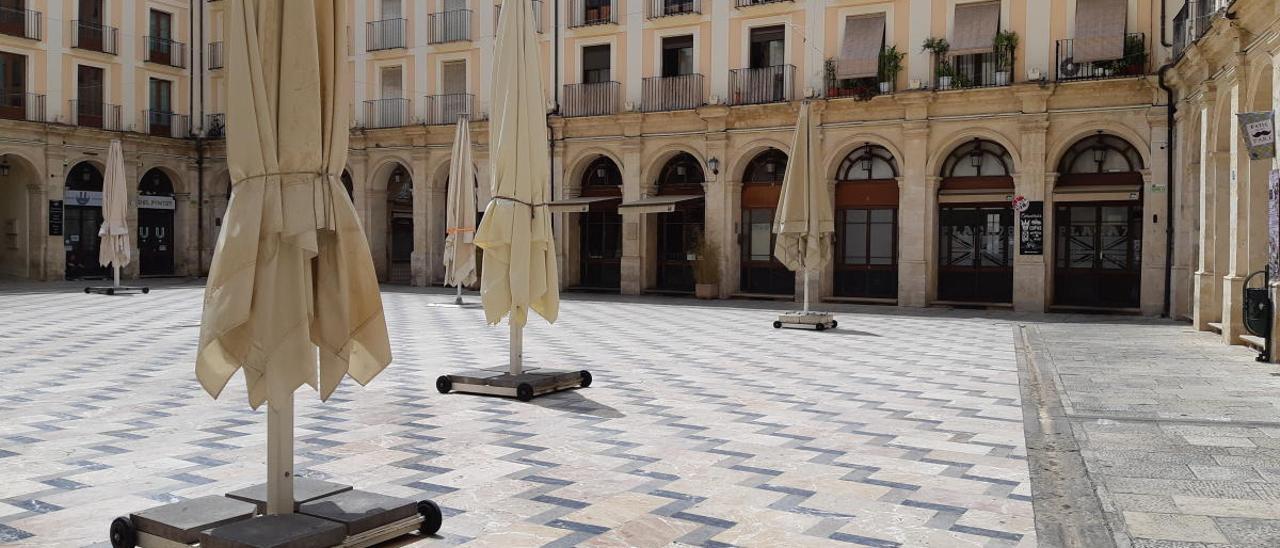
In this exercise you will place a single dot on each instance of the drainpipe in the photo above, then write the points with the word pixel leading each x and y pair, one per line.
pixel 199 57
pixel 1171 109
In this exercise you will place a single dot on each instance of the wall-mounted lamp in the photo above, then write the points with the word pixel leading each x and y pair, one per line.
pixel 714 164
pixel 4 166
pixel 975 155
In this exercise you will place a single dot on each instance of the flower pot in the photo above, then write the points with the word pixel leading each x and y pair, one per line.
pixel 886 87
pixel 1002 78
pixel 706 291
pixel 944 82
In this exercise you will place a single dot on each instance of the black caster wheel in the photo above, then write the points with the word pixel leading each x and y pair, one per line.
pixel 431 517
pixel 444 384
pixel 86 291
pixel 146 290
pixel 834 324
pixel 821 327
pixel 123 535
pixel 586 378
pixel 111 291
pixel 524 392
pixel 777 325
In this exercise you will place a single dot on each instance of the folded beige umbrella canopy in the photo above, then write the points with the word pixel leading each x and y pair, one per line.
pixel 114 233
pixel 804 222
pixel 292 279
pixel 520 259
pixel 459 244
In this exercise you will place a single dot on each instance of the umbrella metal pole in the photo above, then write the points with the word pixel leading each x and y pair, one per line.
pixel 517 349
pixel 117 275
pixel 806 291
pixel 458 299
pixel 280 456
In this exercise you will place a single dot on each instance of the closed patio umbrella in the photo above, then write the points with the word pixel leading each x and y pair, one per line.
pixel 459 244
pixel 804 222
pixel 292 296
pixel 114 233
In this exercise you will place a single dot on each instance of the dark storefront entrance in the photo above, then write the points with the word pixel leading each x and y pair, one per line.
pixel 867 225
pixel 600 228
pixel 975 225
pixel 761 188
pixel 399 227
pixel 156 208
pixel 82 216
pixel 680 232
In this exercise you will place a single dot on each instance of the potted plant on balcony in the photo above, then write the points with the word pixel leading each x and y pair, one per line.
pixel 706 269
pixel 1006 42
pixel 833 83
pixel 1135 56
pixel 942 66
pixel 890 66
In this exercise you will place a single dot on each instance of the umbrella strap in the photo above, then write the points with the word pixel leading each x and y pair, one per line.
pixel 458 229
pixel 328 214
pixel 521 202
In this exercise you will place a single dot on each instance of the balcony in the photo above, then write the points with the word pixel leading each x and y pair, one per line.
pixel 164 51
pixel 215 126
pixel 158 123
pixel 861 89
pixel 95 114
pixel 94 37
pixel 1192 21
pixel 385 113
pixel 449 26
pixel 666 93
pixel 746 3
pixel 215 55
pixel 22 106
pixel 446 109
pixel 1132 63
pixel 537 16
pixel 594 99
pixel 753 86
pixel 978 70
pixel 586 13
pixel 21 23
pixel 384 35
pixel 672 8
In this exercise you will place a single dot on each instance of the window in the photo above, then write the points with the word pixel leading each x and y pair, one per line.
pixel 13 86
pixel 89 84
pixel 91 11
pixel 453 79
pixel 161 25
pixel 161 95
pixel 677 56
pixel 392 83
pixel 390 9
pixel 595 64
pixel 768 46
pixel 767 167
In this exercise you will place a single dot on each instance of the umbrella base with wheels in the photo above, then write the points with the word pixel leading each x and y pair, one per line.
pixel 525 386
pixel 117 290
pixel 338 516
pixel 818 321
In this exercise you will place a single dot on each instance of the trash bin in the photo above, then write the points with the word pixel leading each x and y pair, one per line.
pixel 1257 308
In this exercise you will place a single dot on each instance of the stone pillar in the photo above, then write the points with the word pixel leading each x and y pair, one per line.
pixel 564 224
pixel 37 230
pixel 721 197
pixel 1238 224
pixel 1186 178
pixel 133 176
pixel 54 247
pixel 1155 208
pixel 633 224
pixel 1275 164
pixel 422 194
pixel 1030 289
pixel 1208 285
pixel 184 238
pixel 917 211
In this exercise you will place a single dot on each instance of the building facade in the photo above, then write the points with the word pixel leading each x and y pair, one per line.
pixel 671 123
pixel 1228 62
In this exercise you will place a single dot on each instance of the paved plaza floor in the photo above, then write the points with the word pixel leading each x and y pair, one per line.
pixel 704 426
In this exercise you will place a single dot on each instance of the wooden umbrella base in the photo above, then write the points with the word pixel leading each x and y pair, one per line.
pixel 117 289
pixel 525 386
pixel 327 514
pixel 818 321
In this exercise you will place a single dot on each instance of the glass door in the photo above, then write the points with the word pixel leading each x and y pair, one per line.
pixel 1098 261
pixel 975 254
pixel 867 263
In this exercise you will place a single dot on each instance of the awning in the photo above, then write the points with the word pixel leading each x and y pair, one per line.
pixel 1099 30
pixel 975 28
pixel 860 51
pixel 656 204
pixel 579 205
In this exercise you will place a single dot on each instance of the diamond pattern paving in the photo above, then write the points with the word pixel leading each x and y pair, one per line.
pixel 705 426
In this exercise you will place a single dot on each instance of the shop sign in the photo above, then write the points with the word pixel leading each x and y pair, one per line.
pixel 1273 222
pixel 55 217
pixel 1020 204
pixel 1259 132
pixel 83 198
pixel 156 202
pixel 1031 228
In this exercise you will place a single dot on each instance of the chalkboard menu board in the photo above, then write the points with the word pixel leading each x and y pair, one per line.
pixel 1031 225
pixel 55 217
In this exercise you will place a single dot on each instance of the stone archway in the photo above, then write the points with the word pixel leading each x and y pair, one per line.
pixel 157 229
pixel 82 217
pixel 17 226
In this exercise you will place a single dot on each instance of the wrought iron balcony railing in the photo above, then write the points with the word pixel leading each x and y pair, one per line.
pixel 1132 63
pixel 21 23
pixel 385 113
pixel 215 126
pixel 159 123
pixel 1193 20
pixel 662 93
pixel 751 86
pixel 978 70
pixel 449 26
pixel 96 114
pixel 594 99
pixel 585 13
pixel 446 109
pixel 745 3
pixel 671 8
pixel 94 37
pixel 385 34
pixel 164 51
pixel 22 106
pixel 857 88
pixel 215 55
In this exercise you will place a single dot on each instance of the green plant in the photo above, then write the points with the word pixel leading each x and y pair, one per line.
pixel 936 46
pixel 706 268
pixel 1005 43
pixel 891 63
